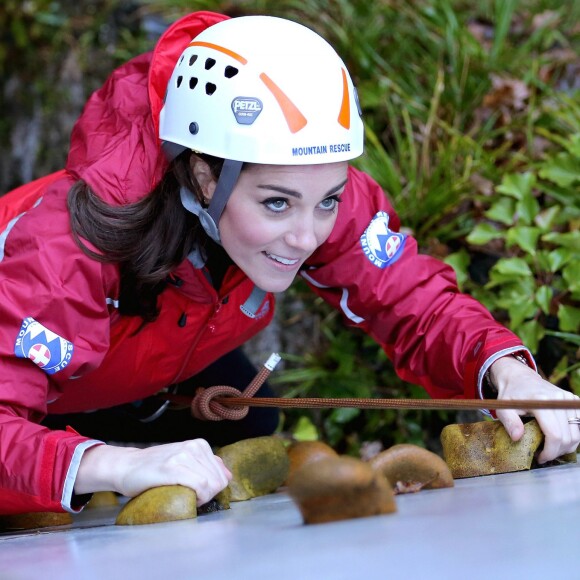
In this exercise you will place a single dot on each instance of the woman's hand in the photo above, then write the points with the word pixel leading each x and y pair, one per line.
pixel 515 380
pixel 130 471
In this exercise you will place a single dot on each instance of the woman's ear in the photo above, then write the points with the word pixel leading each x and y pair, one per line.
pixel 204 177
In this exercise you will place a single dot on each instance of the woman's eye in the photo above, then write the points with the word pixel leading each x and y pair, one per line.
pixel 330 203
pixel 276 204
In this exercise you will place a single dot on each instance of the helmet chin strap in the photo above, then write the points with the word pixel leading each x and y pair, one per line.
pixel 172 150
pixel 223 190
pixel 210 218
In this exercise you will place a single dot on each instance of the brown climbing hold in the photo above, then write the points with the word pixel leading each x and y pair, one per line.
pixel 259 466
pixel 340 488
pixel 410 468
pixel 301 453
pixel 32 520
pixel 166 503
pixel 103 499
pixel 485 448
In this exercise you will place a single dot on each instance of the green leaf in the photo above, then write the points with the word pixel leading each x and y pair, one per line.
pixel 344 415
pixel 560 371
pixel 542 263
pixel 515 267
pixel 567 336
pixel 571 273
pixel 527 209
pixel 571 213
pixel 459 261
pixel 514 290
pixel 485 297
pixel 567 196
pixel 525 237
pixel 333 433
pixel 569 317
pixel 502 211
pixel 517 185
pixel 563 169
pixel 513 286
pixel 520 311
pixel 547 217
pixel 573 145
pixel 568 240
pixel 531 333
pixel 575 381
pixel 558 258
pixel 305 430
pixel 544 298
pixel 483 233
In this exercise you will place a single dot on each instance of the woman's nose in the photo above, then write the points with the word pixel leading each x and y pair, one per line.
pixel 303 236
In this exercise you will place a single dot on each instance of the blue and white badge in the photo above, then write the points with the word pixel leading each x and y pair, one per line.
pixel 382 246
pixel 48 350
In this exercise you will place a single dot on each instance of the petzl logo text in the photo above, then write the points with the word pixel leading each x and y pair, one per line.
pixel 43 347
pixel 382 246
pixel 246 109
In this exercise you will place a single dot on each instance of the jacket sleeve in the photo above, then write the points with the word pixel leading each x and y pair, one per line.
pixel 46 310
pixel 409 303
pixel 37 466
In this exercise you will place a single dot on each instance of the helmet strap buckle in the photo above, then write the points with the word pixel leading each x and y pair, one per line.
pixel 191 204
pixel 210 218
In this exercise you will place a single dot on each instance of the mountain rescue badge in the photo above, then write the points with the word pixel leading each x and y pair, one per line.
pixel 44 348
pixel 381 245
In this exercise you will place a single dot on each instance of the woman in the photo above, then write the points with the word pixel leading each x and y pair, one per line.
pixel 191 193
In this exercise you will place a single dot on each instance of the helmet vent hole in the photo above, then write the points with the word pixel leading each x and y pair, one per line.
pixel 209 63
pixel 181 59
pixel 231 71
pixel 210 88
pixel 192 59
pixel 192 83
pixel 179 80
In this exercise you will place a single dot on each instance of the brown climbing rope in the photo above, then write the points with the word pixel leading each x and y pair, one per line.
pixel 208 403
pixel 224 402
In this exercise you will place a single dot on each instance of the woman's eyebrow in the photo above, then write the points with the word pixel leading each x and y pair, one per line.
pixel 297 194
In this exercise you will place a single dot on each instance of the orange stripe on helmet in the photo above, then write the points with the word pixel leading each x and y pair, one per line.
pixel 227 51
pixel 344 114
pixel 294 118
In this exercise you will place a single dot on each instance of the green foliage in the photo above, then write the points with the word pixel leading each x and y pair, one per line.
pixel 351 365
pixel 40 33
pixel 531 227
pixel 53 54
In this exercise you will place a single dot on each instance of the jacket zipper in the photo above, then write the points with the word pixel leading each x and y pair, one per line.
pixel 195 342
pixel 218 301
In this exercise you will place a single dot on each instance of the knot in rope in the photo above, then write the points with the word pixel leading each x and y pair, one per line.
pixel 205 407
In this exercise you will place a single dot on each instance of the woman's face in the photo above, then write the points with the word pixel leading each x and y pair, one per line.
pixel 277 216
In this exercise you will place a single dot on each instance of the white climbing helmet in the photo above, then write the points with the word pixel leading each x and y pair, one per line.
pixel 266 90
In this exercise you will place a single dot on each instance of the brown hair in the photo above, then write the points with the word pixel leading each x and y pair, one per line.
pixel 147 239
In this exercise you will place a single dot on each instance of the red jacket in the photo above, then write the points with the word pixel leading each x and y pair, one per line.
pixel 64 347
